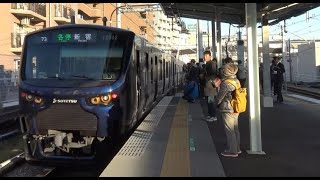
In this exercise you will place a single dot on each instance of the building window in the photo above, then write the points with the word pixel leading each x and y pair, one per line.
pixel 17 64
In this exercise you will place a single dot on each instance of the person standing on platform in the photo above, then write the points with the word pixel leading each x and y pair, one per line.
pixel 229 118
pixel 3 89
pixel 209 90
pixel 193 81
pixel 278 70
pixel 241 74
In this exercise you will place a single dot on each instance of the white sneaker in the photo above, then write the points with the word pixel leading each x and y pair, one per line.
pixel 210 119
pixel 215 118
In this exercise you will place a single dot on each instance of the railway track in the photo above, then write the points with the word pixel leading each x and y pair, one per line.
pixel 18 167
pixel 304 92
pixel 9 129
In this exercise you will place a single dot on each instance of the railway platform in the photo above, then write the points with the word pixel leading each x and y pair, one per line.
pixel 175 140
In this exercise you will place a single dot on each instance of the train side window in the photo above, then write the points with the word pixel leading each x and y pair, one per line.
pixel 156 66
pixel 151 70
pixel 175 71
pixel 147 61
pixel 146 74
pixel 161 70
pixel 34 66
pixel 164 68
pixel 138 61
pixel 167 69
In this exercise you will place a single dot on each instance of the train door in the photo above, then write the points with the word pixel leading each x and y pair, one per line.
pixel 162 78
pixel 131 108
pixel 140 83
pixel 148 86
pixel 172 76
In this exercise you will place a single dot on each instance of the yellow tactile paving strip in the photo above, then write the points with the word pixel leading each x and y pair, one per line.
pixel 176 160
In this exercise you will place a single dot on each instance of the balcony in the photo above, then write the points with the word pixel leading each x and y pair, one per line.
pixel 17 42
pixel 34 11
pixel 81 21
pixel 91 12
pixel 63 14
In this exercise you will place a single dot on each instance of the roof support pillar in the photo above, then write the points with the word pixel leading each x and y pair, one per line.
pixel 267 99
pixel 200 42
pixel 213 32
pixel 254 89
pixel 219 46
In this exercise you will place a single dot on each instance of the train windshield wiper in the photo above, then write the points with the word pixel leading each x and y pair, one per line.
pixel 55 77
pixel 82 77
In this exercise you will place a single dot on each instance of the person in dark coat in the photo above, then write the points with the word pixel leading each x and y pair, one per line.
pixel 277 71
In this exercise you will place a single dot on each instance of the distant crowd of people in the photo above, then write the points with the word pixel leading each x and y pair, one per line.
pixel 210 83
pixel 214 85
pixel 8 83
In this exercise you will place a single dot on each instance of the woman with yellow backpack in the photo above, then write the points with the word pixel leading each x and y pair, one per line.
pixel 231 100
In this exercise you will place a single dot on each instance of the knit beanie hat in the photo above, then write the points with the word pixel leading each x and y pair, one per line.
pixel 230 69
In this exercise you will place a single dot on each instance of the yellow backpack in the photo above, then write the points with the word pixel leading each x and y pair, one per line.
pixel 239 99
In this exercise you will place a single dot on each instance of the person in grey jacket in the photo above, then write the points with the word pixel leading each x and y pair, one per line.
pixel 229 118
pixel 209 91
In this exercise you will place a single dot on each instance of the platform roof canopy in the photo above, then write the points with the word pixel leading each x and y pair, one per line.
pixel 234 13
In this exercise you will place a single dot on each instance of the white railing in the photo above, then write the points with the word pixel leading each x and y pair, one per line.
pixel 304 78
pixel 9 91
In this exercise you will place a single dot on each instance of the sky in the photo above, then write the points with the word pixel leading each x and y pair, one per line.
pixel 298 28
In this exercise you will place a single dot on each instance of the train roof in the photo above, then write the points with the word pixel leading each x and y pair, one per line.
pixel 81 26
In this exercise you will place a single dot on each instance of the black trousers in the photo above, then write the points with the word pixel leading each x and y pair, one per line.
pixel 278 90
pixel 243 82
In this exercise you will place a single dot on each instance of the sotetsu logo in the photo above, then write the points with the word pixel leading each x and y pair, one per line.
pixel 69 101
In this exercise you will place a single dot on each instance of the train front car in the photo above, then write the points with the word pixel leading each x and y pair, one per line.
pixel 72 80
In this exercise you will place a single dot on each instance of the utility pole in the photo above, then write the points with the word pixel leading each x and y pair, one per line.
pixel 118 5
pixel 104 19
pixel 227 42
pixel 290 61
pixel 208 34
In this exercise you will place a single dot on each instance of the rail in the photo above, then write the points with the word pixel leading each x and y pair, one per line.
pixel 299 78
pixel 305 92
pixel 18 167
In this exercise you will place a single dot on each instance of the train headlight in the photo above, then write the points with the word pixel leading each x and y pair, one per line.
pixel 38 100
pixel 95 100
pixel 29 97
pixel 105 99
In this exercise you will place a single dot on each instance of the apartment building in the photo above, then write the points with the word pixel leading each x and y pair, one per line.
pixel 167 32
pixel 18 19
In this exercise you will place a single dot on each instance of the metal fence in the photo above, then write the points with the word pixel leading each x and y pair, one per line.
pixel 9 92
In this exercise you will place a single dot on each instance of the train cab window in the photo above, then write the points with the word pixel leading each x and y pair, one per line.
pixel 81 56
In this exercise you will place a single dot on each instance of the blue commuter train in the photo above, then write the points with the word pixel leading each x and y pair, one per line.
pixel 85 85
